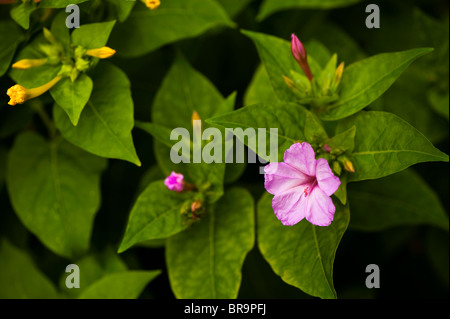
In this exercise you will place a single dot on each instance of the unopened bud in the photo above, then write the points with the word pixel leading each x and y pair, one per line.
pixel 299 53
pixel 28 63
pixel 348 166
pixel 196 205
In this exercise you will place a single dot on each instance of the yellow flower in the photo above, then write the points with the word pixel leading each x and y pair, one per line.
pixel 29 63
pixel 102 53
pixel 152 4
pixel 18 94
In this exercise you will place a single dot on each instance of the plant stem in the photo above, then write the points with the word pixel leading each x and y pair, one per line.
pixel 51 128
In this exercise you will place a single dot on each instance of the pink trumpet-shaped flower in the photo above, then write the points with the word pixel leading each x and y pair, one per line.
pixel 174 182
pixel 302 187
pixel 299 53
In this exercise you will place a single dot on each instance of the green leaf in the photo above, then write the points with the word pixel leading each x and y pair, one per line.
pixel 275 54
pixel 234 7
pixel 172 21
pixel 21 13
pixel 366 80
pixel 122 8
pixel 11 36
pixel 93 35
pixel 157 213
pixel 386 144
pixel 400 199
pixel 293 121
pixel 73 96
pixel 54 189
pixel 303 254
pixel 58 3
pixel 269 7
pixel 205 261
pixel 123 285
pixel 20 277
pixel 60 31
pixel 105 125
pixel 260 89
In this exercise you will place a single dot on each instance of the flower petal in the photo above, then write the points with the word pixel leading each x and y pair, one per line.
pixel 320 208
pixel 325 177
pixel 289 206
pixel 302 157
pixel 280 177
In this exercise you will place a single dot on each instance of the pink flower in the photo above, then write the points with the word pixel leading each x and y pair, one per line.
pixel 302 187
pixel 299 53
pixel 174 182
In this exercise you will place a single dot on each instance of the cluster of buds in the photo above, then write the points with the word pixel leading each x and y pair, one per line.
pixel 314 89
pixel 72 63
pixel 337 157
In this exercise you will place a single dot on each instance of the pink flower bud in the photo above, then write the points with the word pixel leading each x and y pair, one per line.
pixel 174 182
pixel 299 53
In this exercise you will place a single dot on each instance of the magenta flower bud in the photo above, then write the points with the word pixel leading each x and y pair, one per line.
pixel 299 53
pixel 174 182
pixel 327 148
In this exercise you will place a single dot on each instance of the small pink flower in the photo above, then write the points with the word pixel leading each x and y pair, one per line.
pixel 299 53
pixel 174 182
pixel 302 187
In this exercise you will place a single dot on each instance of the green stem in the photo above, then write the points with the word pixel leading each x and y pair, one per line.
pixel 51 128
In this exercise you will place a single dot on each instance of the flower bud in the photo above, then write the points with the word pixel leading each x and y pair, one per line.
pixel 28 63
pixel 299 53
pixel 348 166
pixel 196 205
pixel 174 182
pixel 101 53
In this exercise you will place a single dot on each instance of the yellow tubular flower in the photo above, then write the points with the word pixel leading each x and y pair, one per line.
pixel 29 63
pixel 152 4
pixel 102 53
pixel 18 94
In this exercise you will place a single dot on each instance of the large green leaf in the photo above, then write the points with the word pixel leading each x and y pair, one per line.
pixel 260 89
pixel 105 125
pixel 386 144
pixel 157 213
pixel 400 199
pixel 366 80
pixel 11 37
pixel 303 254
pixel 72 96
pixel 293 121
pixel 271 6
pixel 54 188
pixel 20 277
pixel 93 35
pixel 171 21
pixel 205 261
pixel 121 285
